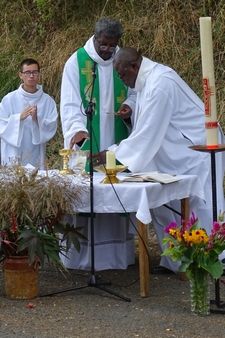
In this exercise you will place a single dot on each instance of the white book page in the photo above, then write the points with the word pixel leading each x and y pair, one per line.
pixel 152 176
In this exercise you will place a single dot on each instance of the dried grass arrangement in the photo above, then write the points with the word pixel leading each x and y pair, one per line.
pixel 32 214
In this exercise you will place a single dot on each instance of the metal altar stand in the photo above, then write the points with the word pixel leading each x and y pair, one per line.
pixel 212 150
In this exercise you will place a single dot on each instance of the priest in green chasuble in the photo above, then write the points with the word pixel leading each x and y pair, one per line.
pixel 114 104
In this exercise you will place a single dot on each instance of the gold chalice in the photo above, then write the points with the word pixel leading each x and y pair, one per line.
pixel 66 153
pixel 110 173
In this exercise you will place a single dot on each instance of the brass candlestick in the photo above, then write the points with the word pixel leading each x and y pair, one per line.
pixel 110 173
pixel 66 153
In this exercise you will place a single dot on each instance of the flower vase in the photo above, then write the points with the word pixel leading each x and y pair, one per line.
pixel 200 291
pixel 20 278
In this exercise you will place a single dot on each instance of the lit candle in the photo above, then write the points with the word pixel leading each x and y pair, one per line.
pixel 110 160
pixel 209 88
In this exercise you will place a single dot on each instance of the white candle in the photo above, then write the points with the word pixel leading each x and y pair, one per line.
pixel 209 88
pixel 110 160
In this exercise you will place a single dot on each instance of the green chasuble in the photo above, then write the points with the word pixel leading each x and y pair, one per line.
pixel 85 64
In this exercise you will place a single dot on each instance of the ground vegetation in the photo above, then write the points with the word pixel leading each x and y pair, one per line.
pixel 165 31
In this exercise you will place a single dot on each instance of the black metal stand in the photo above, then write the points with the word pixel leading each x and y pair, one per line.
pixel 220 306
pixel 92 280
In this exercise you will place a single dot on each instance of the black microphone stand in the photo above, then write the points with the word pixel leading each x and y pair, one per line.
pixel 92 281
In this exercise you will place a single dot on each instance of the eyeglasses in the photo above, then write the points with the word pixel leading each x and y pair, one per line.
pixel 104 47
pixel 28 73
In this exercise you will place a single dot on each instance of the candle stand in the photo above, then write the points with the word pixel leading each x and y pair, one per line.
pixel 110 177
pixel 212 150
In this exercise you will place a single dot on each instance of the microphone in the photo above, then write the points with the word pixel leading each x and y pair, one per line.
pixel 90 107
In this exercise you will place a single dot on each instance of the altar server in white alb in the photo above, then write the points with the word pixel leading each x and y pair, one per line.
pixel 169 118
pixel 28 119
pixel 113 244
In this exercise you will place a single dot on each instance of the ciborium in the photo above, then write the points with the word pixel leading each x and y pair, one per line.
pixel 66 153
pixel 110 177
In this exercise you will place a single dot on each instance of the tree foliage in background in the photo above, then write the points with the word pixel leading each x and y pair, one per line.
pixel 167 31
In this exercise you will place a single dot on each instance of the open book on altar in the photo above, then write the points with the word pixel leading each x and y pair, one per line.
pixel 153 176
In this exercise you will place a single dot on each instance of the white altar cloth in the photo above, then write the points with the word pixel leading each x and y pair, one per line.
pixel 138 197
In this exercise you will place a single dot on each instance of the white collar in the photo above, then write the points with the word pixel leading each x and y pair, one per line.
pixel 28 95
pixel 90 49
pixel 145 69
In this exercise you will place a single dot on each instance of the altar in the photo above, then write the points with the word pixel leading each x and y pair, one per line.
pixel 139 197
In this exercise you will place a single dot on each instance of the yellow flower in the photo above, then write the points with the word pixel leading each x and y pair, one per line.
pixel 200 236
pixel 172 232
pixel 187 236
pixel 197 236
pixel 175 233
pixel 171 245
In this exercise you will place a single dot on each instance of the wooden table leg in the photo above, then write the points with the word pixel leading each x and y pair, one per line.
pixel 143 244
pixel 143 259
pixel 185 209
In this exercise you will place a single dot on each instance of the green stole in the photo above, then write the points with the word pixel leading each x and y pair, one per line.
pixel 85 64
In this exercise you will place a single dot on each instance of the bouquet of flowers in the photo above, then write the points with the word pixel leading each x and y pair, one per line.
pixel 191 245
pixel 198 254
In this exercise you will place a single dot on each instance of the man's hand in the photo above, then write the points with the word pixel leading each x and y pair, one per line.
pixel 99 158
pixel 29 111
pixel 78 137
pixel 34 113
pixel 124 112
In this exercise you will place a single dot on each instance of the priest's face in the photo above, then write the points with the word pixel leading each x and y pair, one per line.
pixel 127 72
pixel 29 75
pixel 105 46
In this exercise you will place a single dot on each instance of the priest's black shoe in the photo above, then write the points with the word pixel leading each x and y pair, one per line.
pixel 160 270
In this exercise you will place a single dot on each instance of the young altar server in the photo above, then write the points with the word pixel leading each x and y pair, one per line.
pixel 169 118
pixel 28 119
pixel 114 245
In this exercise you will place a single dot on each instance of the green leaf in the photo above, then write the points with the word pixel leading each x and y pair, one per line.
pixel 215 269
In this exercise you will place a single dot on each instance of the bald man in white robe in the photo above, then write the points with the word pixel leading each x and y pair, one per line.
pixel 169 118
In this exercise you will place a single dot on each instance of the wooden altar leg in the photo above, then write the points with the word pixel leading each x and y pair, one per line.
pixel 143 256
pixel 185 209
pixel 143 259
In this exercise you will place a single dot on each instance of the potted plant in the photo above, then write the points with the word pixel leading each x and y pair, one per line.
pixel 32 213
pixel 198 254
